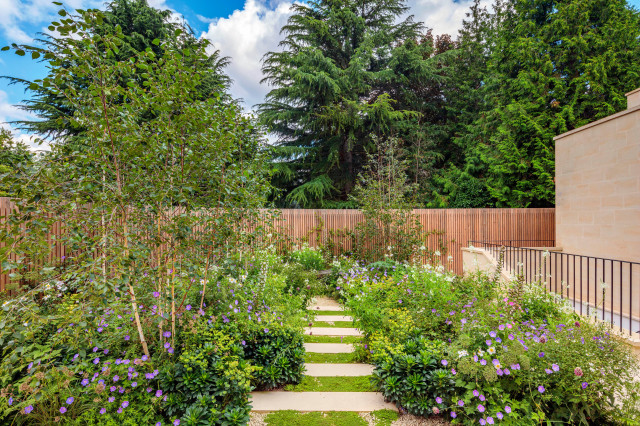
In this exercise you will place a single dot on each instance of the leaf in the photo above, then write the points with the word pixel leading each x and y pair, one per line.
pixel 62 12
pixel 20 52
pixel 35 55
pixel 5 48
pixel 156 41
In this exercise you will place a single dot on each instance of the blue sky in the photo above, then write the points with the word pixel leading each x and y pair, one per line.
pixel 242 29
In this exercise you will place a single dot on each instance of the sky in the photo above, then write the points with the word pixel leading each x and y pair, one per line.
pixel 244 30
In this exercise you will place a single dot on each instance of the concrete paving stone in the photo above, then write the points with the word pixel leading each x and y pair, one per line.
pixel 332 331
pixel 338 370
pixel 329 348
pixel 319 401
pixel 325 308
pixel 325 318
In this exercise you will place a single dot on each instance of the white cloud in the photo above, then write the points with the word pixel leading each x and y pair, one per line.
pixel 20 17
pixel 443 16
pixel 9 112
pixel 245 36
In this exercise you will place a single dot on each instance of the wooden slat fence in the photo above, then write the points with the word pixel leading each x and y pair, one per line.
pixel 456 228
pixel 532 227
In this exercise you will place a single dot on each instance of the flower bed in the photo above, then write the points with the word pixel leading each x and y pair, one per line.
pixel 480 354
pixel 65 359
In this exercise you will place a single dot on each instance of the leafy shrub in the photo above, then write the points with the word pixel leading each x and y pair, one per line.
pixel 413 376
pixel 210 383
pixel 526 360
pixel 309 257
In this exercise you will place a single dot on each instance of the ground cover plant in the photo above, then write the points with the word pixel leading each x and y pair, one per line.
pixel 479 352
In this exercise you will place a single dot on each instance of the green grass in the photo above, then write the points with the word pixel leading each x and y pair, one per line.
pixel 330 312
pixel 333 384
pixel 319 323
pixel 331 418
pixel 384 417
pixel 316 358
pixel 331 339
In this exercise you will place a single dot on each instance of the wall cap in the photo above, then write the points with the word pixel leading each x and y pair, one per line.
pixel 601 121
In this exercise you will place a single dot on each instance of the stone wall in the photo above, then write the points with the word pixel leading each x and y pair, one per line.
pixel 598 186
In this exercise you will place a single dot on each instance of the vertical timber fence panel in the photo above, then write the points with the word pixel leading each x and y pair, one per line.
pixel 453 227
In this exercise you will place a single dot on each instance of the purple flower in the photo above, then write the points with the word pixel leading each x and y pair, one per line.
pixel 127 337
pixel 483 422
pixel 499 415
pixel 490 420
pixel 95 349
pixel 176 422
pixel 439 400
pixel 548 371
pixel 28 409
pixel 84 382
pixel 488 342
pixel 453 414
pixel 481 398
pixel 507 409
pixel 156 294
pixel 112 398
pixel 63 410
pixel 158 393
pixel 460 403
pixel 555 367
pixel 134 384
pixel 475 392
pixel 170 350
pixel 541 389
pixel 584 385
pixel 125 404
pixel 481 408
pixel 167 345
pixel 541 354
pixel 106 351
pixel 444 362
pixel 166 334
pixel 103 410
pixel 96 361
pixel 116 378
pixel 70 400
pixel 492 334
pixel 189 307
pixel 10 402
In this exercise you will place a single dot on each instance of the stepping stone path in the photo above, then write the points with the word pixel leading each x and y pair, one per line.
pixel 325 401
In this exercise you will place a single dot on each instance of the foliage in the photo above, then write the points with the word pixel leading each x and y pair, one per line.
pixel 139 24
pixel 309 257
pixel 186 176
pixel 460 347
pixel 15 157
pixel 341 78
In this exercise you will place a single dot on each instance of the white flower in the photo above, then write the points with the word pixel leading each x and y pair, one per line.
pixel 462 353
pixel 437 253
pixel 423 248
pixel 491 350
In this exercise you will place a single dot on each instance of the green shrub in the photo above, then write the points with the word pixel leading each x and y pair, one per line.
pixel 309 257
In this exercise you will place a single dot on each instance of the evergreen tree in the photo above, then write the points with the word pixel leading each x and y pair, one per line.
pixel 140 25
pixel 553 66
pixel 341 80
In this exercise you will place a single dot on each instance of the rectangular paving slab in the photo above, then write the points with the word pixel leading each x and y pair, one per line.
pixel 329 348
pixel 338 370
pixel 319 401
pixel 325 308
pixel 332 331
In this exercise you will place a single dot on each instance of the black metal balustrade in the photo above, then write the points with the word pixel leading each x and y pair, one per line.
pixel 595 286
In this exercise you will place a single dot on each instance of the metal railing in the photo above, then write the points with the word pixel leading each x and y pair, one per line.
pixel 595 286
